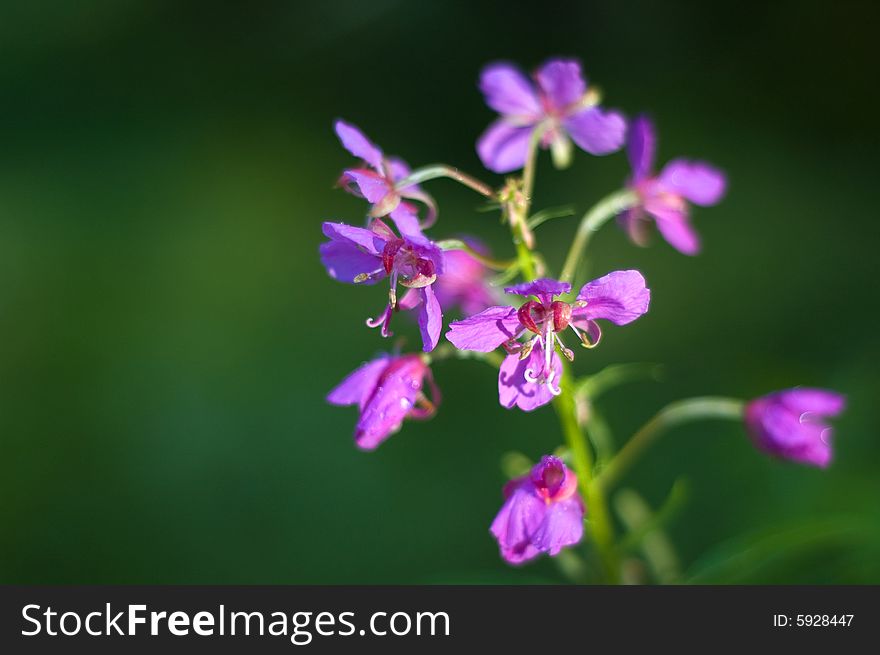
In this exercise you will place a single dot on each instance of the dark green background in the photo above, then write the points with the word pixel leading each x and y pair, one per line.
pixel 168 333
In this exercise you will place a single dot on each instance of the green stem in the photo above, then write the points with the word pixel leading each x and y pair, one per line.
pixel 674 414
pixel 457 244
pixel 599 524
pixel 529 168
pixel 434 171
pixel 601 213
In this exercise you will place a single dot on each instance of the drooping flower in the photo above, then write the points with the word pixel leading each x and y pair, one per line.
pixel 378 181
pixel 366 255
pixel 558 101
pixel 529 376
pixel 665 197
pixel 791 424
pixel 542 513
pixel 387 390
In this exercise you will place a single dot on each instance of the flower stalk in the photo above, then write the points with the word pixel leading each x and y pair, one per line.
pixel 673 415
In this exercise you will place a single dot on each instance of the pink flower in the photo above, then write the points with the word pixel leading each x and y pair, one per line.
pixel 387 390
pixel 791 424
pixel 542 513
pixel 558 100
pixel 529 376
pixel 664 197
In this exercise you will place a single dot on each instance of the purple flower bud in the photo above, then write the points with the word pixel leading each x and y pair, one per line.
pixel 387 390
pixel 791 424
pixel 542 513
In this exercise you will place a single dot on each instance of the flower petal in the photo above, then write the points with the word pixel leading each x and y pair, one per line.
pixel 676 228
pixel 620 297
pixel 542 287
pixel 515 389
pixel 359 145
pixel 406 220
pixel 814 401
pixel 392 400
pixel 562 82
pixel 346 262
pixel 563 525
pixel 641 147
pixel 366 239
pixel 516 522
pixel 503 147
pixel 508 91
pixel 597 131
pixel 371 185
pixel 430 319
pixel 485 331
pixel 701 183
pixel 357 387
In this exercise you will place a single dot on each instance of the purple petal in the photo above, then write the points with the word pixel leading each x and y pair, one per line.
pixel 815 401
pixel 464 282
pixel 372 186
pixel 636 224
pixel 392 400
pixel 406 220
pixel 357 144
pixel 597 131
pixel 516 522
pixel 561 82
pixel 777 430
pixel 485 331
pixel 430 319
pixel 503 147
pixel 515 389
pixel 619 297
pixel 544 287
pixel 366 239
pixel 641 147
pixel 699 182
pixel 675 226
pixel 508 91
pixel 398 169
pixel 563 525
pixel 345 262
pixel 357 387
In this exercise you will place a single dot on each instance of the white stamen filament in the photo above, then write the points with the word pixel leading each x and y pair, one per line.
pixel 530 376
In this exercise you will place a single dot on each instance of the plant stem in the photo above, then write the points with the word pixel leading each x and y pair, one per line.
pixel 605 209
pixel 674 414
pixel 434 171
pixel 599 524
pixel 457 244
pixel 528 178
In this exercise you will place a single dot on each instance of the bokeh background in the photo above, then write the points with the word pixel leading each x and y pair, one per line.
pixel 168 333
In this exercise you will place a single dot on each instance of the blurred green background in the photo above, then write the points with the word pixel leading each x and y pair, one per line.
pixel 169 333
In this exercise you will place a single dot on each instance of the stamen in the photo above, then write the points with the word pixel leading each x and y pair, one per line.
pixel 530 376
pixel 567 353
pixel 527 347
pixel 382 321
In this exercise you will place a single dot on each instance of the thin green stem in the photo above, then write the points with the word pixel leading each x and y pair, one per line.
pixel 528 178
pixel 457 244
pixel 674 414
pixel 599 523
pixel 434 171
pixel 601 213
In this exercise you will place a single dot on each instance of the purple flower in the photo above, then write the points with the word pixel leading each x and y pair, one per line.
pixel 791 424
pixel 542 513
pixel 377 183
pixel 529 376
pixel 387 390
pixel 364 256
pixel 665 196
pixel 558 101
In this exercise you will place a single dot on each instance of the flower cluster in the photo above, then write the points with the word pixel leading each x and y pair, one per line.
pixel 544 509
